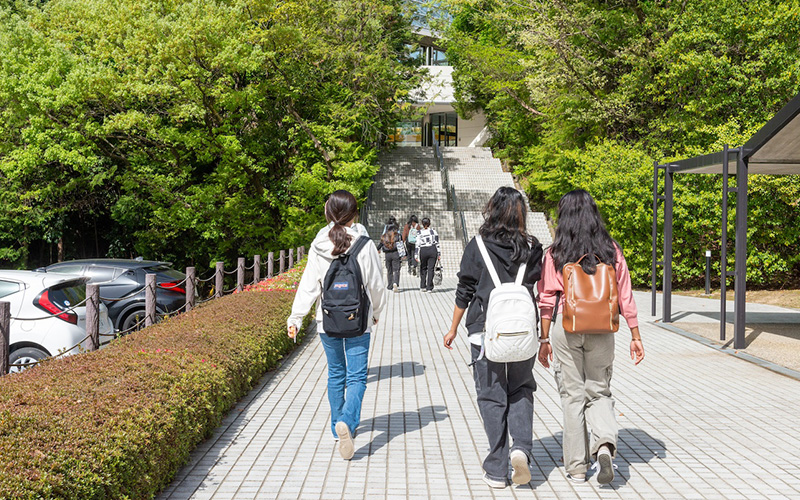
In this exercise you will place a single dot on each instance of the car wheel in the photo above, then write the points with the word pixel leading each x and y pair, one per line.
pixel 21 357
pixel 133 321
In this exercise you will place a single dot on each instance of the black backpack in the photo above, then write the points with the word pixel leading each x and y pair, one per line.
pixel 345 303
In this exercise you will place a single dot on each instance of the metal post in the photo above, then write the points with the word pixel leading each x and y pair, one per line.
pixel 708 272
pixel 291 258
pixel 654 268
pixel 219 282
pixel 240 274
pixel 5 334
pixel 256 268
pixel 93 316
pixel 149 299
pixel 723 254
pixel 191 274
pixel 283 262
pixel 270 264
pixel 740 269
pixel 666 309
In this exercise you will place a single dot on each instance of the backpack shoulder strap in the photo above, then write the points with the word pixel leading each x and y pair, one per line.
pixel 488 260
pixel 358 245
pixel 521 274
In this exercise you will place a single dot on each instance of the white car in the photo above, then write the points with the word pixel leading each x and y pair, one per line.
pixel 44 321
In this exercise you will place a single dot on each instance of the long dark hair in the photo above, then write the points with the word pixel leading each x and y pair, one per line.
pixel 412 219
pixel 340 209
pixel 388 238
pixel 504 220
pixel 581 231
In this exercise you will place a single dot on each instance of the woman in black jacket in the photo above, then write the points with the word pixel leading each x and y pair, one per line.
pixel 505 390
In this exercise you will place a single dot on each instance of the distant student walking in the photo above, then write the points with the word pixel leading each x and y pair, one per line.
pixel 583 362
pixel 410 235
pixel 504 390
pixel 428 253
pixel 390 244
pixel 347 345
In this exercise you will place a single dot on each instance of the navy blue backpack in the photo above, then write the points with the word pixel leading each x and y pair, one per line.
pixel 345 303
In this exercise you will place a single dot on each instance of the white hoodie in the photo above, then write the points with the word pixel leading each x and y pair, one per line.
pixel 309 290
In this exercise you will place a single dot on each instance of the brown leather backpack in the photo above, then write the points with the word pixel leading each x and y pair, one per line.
pixel 591 301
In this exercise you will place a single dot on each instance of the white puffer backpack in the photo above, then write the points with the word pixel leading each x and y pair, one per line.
pixel 511 318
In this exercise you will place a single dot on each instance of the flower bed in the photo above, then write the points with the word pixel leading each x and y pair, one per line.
pixel 119 422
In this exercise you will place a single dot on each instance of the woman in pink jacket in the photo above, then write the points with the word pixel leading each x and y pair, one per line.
pixel 583 363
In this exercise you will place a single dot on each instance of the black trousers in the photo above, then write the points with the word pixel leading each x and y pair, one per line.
pixel 410 247
pixel 427 264
pixel 392 268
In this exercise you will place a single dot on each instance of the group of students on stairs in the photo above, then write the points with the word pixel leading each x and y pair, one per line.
pixel 501 269
pixel 417 243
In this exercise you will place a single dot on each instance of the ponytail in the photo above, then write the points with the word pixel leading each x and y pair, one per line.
pixel 340 209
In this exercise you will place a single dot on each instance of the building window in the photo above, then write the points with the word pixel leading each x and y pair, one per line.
pixel 444 127
pixel 407 134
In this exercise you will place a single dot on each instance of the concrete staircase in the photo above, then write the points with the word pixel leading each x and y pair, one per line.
pixel 409 182
pixel 476 175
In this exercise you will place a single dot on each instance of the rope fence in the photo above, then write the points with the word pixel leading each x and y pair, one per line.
pixel 151 312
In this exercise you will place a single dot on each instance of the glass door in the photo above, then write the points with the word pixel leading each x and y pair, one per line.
pixel 445 128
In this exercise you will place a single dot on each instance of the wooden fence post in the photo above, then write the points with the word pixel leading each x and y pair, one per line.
pixel 283 262
pixel 291 258
pixel 149 299
pixel 5 334
pixel 270 264
pixel 219 282
pixel 190 277
pixel 256 268
pixel 93 316
pixel 240 274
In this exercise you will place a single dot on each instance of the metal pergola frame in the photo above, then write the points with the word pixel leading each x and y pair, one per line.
pixel 774 150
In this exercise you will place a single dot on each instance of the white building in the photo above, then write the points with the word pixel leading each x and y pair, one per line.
pixel 435 98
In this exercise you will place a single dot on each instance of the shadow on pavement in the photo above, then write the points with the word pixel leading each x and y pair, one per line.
pixel 405 369
pixel 396 424
pixel 634 446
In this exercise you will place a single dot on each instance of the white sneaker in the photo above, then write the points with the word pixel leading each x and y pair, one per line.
pixel 346 447
pixel 522 471
pixel 577 478
pixel 494 483
pixel 606 474
pixel 395 287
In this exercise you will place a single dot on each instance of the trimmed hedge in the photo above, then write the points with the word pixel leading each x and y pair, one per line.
pixel 119 422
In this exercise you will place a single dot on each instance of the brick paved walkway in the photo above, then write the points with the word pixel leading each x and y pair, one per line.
pixel 694 423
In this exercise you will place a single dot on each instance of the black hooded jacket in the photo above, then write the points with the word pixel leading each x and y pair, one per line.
pixel 475 282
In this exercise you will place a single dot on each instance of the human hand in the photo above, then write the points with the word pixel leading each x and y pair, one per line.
pixel 449 337
pixel 374 321
pixel 637 351
pixel 545 354
pixel 292 331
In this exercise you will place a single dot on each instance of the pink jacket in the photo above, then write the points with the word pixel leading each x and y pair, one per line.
pixel 551 283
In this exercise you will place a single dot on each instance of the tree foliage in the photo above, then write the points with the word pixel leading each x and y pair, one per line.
pixel 189 130
pixel 587 93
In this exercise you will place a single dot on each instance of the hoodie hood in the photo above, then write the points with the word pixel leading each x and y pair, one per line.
pixel 323 245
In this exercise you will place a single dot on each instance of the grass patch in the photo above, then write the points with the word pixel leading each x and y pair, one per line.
pixel 119 422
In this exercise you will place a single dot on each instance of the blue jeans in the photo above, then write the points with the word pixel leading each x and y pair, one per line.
pixel 347 366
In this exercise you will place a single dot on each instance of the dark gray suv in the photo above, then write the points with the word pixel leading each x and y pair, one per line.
pixel 124 279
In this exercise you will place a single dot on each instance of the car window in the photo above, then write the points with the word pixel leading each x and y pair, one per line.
pixel 68 294
pixel 100 274
pixel 68 269
pixel 8 287
pixel 167 271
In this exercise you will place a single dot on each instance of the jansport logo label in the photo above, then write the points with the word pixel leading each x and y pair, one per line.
pixel 341 285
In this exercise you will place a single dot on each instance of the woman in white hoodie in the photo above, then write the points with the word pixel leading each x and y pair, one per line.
pixel 347 356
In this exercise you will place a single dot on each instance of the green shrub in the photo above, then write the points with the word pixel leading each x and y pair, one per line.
pixel 119 422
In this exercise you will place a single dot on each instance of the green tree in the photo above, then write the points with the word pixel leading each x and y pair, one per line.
pixel 193 130
pixel 606 88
